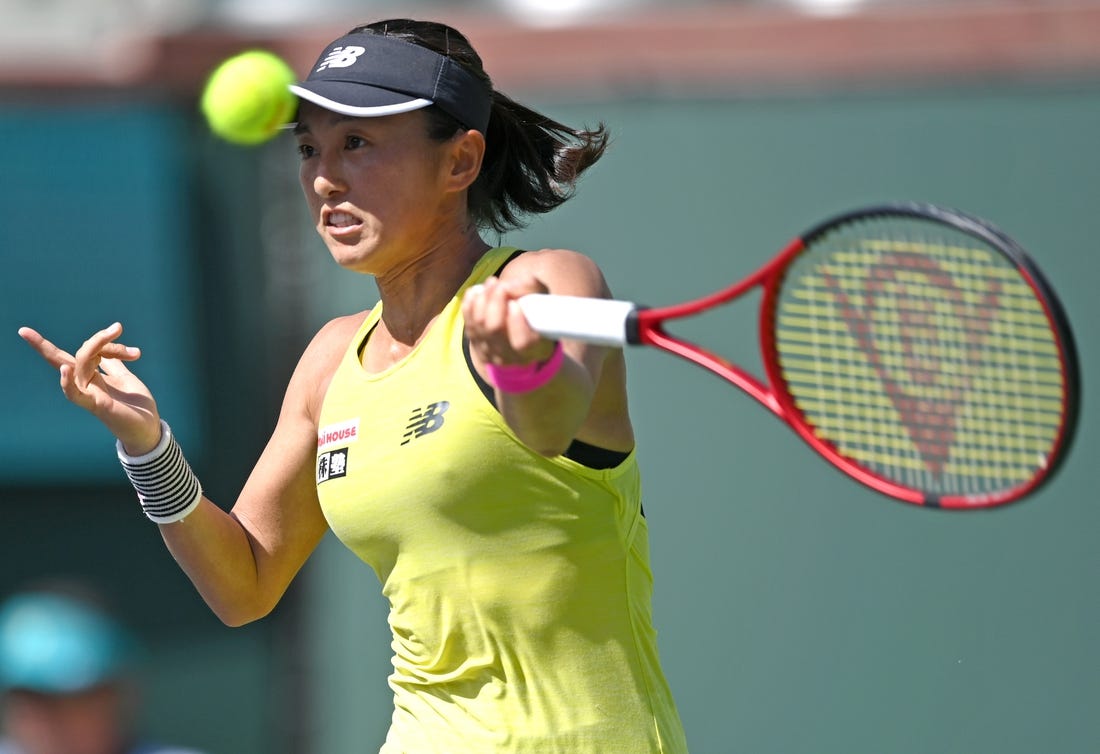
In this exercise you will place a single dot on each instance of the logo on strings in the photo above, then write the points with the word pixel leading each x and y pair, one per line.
pixel 913 358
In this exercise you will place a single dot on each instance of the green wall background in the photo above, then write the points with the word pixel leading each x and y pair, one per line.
pixel 116 208
pixel 797 611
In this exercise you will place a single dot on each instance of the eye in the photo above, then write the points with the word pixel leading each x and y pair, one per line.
pixel 354 142
pixel 305 151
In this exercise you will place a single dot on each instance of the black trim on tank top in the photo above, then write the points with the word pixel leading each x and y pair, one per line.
pixel 586 454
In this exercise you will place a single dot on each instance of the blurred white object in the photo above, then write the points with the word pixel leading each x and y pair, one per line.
pixel 287 13
pixel 826 7
pixel 94 36
pixel 549 13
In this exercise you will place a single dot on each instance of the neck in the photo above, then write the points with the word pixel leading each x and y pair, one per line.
pixel 413 296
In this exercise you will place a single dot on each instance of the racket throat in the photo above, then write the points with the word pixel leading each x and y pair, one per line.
pixel 654 335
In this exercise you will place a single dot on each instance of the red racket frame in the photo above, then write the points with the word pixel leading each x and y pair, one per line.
pixel 647 328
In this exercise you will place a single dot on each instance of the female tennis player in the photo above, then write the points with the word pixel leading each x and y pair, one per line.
pixel 485 473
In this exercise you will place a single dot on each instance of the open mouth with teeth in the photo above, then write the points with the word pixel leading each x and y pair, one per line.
pixel 342 225
pixel 341 220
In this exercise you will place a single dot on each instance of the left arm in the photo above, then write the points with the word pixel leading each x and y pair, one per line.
pixel 586 398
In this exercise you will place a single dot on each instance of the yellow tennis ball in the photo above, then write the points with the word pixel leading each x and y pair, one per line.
pixel 246 99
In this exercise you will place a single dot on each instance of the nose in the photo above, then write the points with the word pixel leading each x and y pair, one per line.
pixel 325 185
pixel 328 180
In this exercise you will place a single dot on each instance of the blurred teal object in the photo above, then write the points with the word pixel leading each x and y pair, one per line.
pixel 56 645
pixel 128 229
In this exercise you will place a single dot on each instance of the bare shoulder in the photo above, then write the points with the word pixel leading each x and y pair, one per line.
pixel 332 340
pixel 321 358
pixel 562 270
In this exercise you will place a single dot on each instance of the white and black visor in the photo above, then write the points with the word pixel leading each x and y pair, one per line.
pixel 367 75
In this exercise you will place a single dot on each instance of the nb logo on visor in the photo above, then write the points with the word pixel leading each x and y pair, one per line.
pixel 341 57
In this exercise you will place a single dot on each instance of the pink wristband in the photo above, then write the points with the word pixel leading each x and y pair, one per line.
pixel 527 377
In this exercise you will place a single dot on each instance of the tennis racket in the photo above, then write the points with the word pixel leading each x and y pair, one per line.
pixel 916 348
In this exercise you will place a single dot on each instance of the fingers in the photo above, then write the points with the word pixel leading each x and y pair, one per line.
pixel 56 357
pixel 485 310
pixel 121 352
pixel 70 389
pixel 495 322
pixel 520 334
pixel 492 305
pixel 100 346
pixel 97 379
pixel 47 350
pixel 114 368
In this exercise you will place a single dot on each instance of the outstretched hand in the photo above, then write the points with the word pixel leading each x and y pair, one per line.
pixel 97 379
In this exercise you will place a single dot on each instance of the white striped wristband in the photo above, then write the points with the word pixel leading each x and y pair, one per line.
pixel 166 486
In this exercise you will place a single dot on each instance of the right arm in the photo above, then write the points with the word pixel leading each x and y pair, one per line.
pixel 241 562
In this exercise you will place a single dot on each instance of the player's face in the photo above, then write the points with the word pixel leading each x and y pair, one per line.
pixel 373 185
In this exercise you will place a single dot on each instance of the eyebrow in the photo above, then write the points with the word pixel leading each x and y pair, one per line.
pixel 335 120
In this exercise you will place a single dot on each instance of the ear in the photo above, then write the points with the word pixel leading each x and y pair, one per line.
pixel 465 153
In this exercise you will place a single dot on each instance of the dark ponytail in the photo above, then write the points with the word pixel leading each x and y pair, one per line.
pixel 531 162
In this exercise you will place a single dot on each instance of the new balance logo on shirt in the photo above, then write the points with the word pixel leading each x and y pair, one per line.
pixel 425 420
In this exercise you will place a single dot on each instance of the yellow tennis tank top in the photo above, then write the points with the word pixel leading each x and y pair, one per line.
pixel 519 585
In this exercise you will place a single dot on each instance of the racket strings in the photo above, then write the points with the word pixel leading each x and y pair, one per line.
pixel 921 353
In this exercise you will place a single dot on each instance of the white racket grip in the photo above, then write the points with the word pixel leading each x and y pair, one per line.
pixel 600 321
